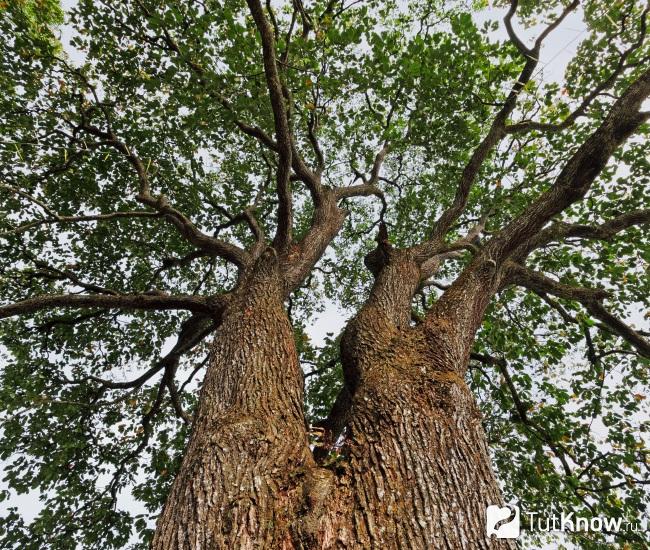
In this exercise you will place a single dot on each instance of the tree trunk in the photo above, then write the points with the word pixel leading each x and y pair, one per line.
pixel 413 472
pixel 238 483
pixel 417 468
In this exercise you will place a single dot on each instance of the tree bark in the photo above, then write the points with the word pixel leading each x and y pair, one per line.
pixel 417 469
pixel 238 485
pixel 413 470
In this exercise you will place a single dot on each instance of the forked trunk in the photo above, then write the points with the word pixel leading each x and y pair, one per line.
pixel 413 471
pixel 417 469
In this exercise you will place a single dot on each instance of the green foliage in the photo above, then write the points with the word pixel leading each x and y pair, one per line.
pixel 174 79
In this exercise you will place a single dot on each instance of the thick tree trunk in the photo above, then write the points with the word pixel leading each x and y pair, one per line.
pixel 413 472
pixel 238 483
pixel 418 473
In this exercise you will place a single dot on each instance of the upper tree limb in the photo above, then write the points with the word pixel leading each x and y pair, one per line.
pixel 160 204
pixel 560 231
pixel 475 286
pixel 495 134
pixel 578 174
pixel 283 138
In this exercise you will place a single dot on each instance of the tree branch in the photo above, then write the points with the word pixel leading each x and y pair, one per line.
pixel 581 110
pixel 55 218
pixel 369 185
pixel 361 190
pixel 302 171
pixel 248 216
pixel 469 242
pixel 303 255
pixel 486 273
pixel 172 261
pixel 590 298
pixel 173 46
pixel 522 410
pixel 523 49
pixel 603 232
pixel 633 337
pixel 578 174
pixel 225 250
pixel 283 138
pixel 53 272
pixel 152 301
pixel 494 136
pixel 79 219
pixel 192 332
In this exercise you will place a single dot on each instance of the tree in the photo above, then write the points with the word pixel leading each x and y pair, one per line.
pixel 184 183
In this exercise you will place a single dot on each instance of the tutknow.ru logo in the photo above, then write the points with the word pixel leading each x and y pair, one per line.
pixel 505 522
pixel 495 515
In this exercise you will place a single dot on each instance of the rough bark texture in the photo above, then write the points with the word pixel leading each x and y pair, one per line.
pixel 237 486
pixel 413 472
pixel 419 473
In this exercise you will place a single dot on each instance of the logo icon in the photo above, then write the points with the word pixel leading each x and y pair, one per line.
pixel 495 515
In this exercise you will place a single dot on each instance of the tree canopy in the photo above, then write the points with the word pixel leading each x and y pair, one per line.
pixel 150 148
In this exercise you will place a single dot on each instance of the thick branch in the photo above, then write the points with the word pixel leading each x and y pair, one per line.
pixel 361 190
pixel 633 337
pixel 484 275
pixel 283 235
pixel 541 284
pixel 302 171
pixel 153 301
pixel 455 250
pixel 303 255
pixel 579 172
